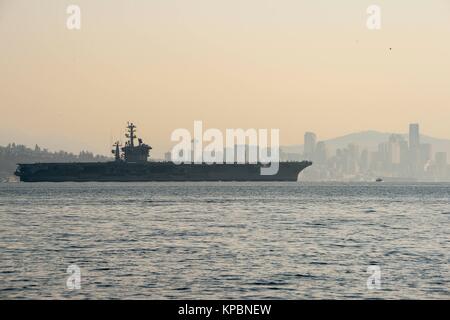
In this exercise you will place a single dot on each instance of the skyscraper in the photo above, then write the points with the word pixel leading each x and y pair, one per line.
pixel 320 152
pixel 414 149
pixel 394 151
pixel 441 166
pixel 310 145
pixel 425 153
pixel 414 136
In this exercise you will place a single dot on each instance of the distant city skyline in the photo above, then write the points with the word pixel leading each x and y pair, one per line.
pixel 396 158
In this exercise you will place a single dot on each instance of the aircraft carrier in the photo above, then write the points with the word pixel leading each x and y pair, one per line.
pixel 131 164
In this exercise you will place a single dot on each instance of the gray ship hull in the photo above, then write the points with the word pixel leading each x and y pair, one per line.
pixel 154 171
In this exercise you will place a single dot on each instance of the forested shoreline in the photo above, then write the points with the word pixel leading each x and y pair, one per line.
pixel 13 153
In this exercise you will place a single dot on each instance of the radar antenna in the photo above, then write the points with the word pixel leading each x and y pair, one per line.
pixel 116 150
pixel 131 133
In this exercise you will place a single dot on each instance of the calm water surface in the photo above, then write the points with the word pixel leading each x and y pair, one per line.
pixel 224 240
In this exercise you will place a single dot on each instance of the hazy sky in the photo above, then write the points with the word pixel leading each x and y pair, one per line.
pixel 288 64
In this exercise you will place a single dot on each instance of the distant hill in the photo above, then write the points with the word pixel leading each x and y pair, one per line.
pixel 370 140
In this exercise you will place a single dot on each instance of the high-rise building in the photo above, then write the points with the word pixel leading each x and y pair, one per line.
pixel 404 152
pixel 383 150
pixel 425 153
pixel 414 149
pixel 414 136
pixel 321 152
pixel 364 160
pixel 394 149
pixel 441 165
pixel 353 158
pixel 310 145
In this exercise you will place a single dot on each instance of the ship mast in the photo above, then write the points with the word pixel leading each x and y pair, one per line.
pixel 116 151
pixel 131 133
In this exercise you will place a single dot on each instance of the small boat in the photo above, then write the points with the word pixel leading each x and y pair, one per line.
pixel 379 180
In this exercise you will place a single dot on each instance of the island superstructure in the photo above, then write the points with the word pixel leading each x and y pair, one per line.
pixel 131 164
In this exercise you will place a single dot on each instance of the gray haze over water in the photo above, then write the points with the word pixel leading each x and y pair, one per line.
pixel 224 240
